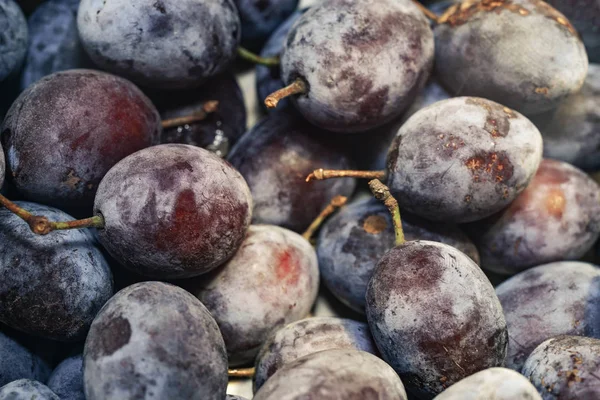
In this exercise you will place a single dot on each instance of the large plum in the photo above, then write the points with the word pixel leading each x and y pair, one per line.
pixel 560 298
pixel 13 38
pixel 17 362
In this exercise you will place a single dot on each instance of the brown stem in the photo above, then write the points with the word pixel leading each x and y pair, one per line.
pixel 41 225
pixel 207 108
pixel 256 59
pixel 382 192
pixel 322 174
pixel 334 204
pixel 296 87
pixel 428 13
pixel 241 372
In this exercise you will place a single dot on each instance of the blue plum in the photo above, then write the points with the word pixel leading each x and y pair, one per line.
pixel 260 18
pixel 13 38
pixel 17 362
pixel 67 379
pixel 26 389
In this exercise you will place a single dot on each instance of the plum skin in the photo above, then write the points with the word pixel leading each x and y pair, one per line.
pixel 462 159
pixel 434 316
pixel 67 379
pixel 173 211
pixel 154 340
pixel 260 18
pixel 26 389
pixel 17 362
pixel 13 38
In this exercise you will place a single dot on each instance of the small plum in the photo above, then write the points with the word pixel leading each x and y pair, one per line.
pixel 67 379
pixel 260 18
pixel 26 389
pixel 17 362
pixel 13 38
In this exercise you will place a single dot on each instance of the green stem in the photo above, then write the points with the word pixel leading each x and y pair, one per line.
pixel 382 192
pixel 256 59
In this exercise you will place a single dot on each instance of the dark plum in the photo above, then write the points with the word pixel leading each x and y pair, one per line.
pixel 26 389
pixel 308 336
pixel 492 49
pixel 220 130
pixel 565 367
pixel 571 132
pixel 54 43
pixel 17 362
pixel 153 340
pixel 275 156
pixel 554 299
pixel 356 65
pixel 334 374
pixel 491 383
pixel 67 379
pixel 173 211
pixel 260 18
pixel 50 286
pixel 272 280
pixel 66 131
pixel 162 44
pixel 13 38
pixel 556 218
pixel 353 241
pixel 434 316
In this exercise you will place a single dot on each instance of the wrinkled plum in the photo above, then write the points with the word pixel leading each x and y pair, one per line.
pixel 462 159
pixel 554 299
pixel 345 53
pixel 153 340
pixel 565 367
pixel 17 362
pixel 26 389
pixel 51 286
pixel 334 374
pixel 434 316
pixel 173 211
pixel 54 43
pixel 571 132
pixel 492 49
pixel 66 131
pixel 67 379
pixel 275 156
pixel 260 18
pixel 556 218
pixel 272 280
pixel 308 336
pixel 353 241
pixel 491 383
pixel 162 44
pixel 13 38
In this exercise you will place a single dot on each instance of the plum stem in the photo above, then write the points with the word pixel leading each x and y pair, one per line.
pixel 382 193
pixel 42 226
pixel 241 372
pixel 322 174
pixel 207 108
pixel 334 204
pixel 296 87
pixel 428 13
pixel 256 59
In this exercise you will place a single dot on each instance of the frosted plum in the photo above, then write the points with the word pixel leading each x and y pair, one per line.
pixel 25 389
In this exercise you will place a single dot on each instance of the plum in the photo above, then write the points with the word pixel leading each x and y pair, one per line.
pixel 353 241
pixel 13 38
pixel 161 44
pixel 272 280
pixel 571 132
pixel 560 298
pixel 462 159
pixel 51 286
pixel 17 362
pixel 492 49
pixel 434 316
pixel 565 367
pixel 2 166
pixel 153 340
pixel 308 336
pixel 67 379
pixel 26 389
pixel 173 211
pixel 260 18
pixel 66 131
pixel 491 383
pixel 359 64
pixel 556 218
pixel 274 158
pixel 334 374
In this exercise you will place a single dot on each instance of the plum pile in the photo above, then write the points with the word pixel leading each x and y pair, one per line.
pixel 409 210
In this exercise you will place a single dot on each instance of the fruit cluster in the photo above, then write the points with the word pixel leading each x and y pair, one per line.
pixel 152 248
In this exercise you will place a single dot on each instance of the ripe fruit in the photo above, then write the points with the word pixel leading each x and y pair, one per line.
pixel 50 286
pixel 65 132
pixel 67 379
pixel 308 336
pixel 356 65
pixel 154 340
pixel 556 218
pixel 560 298
pixel 260 18
pixel 334 374
pixel 162 44
pixel 13 38
pixel 17 362
pixel 492 49
pixel 173 211
pixel 26 389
